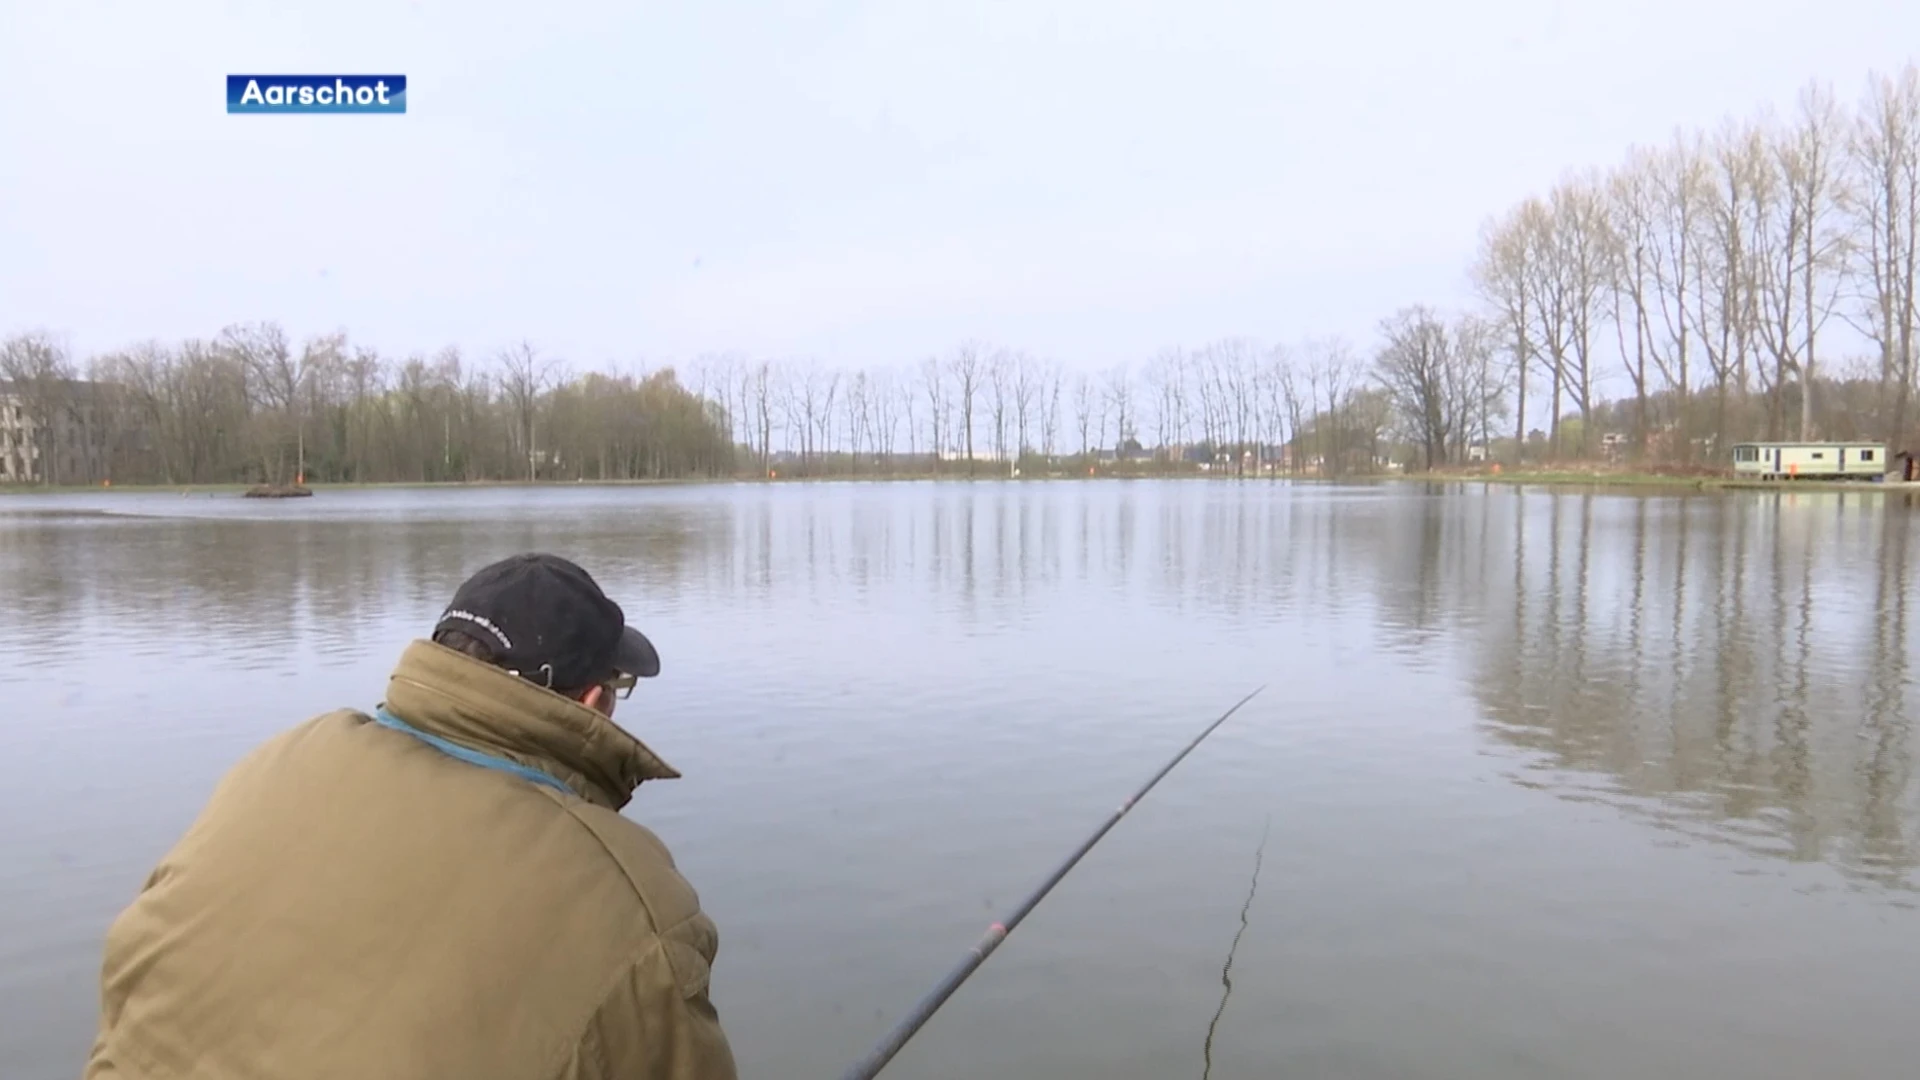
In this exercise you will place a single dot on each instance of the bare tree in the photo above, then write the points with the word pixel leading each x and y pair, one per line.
pixel 884 408
pixel 1289 391
pixel 324 360
pixel 821 387
pixel 1582 261
pixel 1552 302
pixel 966 366
pixel 1727 306
pixel 766 396
pixel 1276 407
pixel 933 383
pixel 796 407
pixel 525 376
pixel 1773 227
pixel 1487 378
pixel 1504 274
pixel 1000 399
pixel 1816 181
pixel 1083 401
pixel 1233 363
pixel 1119 398
pixel 1884 155
pixel 1683 192
pixel 909 414
pixel 1632 203
pixel 1340 428
pixel 1026 391
pixel 1210 391
pixel 1050 409
pixel 854 411
pixel 272 380
pixel 1159 375
pixel 1423 375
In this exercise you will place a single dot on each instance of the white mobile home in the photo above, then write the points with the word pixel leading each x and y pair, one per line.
pixel 1809 460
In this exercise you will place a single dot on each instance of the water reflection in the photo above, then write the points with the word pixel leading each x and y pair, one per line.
pixel 1728 668
pixel 267 592
pixel 1733 667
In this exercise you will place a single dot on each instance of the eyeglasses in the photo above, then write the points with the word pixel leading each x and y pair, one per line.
pixel 622 685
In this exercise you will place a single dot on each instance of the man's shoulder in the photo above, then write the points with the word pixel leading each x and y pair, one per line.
pixel 295 743
pixel 643 859
pixel 638 858
pixel 320 727
pixel 640 855
pixel 670 903
pixel 687 936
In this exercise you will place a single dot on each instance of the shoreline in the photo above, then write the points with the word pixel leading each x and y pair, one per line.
pixel 1620 480
pixel 1624 480
pixel 320 488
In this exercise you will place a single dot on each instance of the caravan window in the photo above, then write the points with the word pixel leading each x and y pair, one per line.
pixel 1866 455
pixel 1819 455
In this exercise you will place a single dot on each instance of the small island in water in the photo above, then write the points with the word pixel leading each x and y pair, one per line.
pixel 278 491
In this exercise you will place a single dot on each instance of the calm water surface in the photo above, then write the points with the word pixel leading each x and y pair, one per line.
pixel 1553 785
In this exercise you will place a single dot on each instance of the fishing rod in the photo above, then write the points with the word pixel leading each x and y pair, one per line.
pixel 870 1066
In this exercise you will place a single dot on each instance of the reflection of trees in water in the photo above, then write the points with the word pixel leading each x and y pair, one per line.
pixel 1730 667
pixel 983 552
pixel 254 592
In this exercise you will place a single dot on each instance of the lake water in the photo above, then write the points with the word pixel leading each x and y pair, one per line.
pixel 1551 784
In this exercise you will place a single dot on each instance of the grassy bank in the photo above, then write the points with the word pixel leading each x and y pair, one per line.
pixel 1659 481
pixel 1596 478
pixel 321 487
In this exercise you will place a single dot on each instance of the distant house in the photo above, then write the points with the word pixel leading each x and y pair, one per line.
pixel 54 432
pixel 1809 460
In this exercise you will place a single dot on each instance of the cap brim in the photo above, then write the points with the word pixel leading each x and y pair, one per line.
pixel 635 655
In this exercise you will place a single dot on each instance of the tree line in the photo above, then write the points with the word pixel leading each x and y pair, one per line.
pixel 251 405
pixel 1232 401
pixel 1755 281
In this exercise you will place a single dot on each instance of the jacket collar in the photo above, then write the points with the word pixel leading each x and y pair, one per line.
pixel 454 696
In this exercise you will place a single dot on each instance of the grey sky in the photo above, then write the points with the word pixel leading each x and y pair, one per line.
pixel 864 182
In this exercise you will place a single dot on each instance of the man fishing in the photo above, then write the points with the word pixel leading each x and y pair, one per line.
pixel 443 887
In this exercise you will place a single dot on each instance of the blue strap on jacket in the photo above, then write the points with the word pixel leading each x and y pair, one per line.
pixel 470 756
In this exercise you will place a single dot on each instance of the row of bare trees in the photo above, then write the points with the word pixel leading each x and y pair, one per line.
pixel 1729 276
pixel 253 405
pixel 1233 400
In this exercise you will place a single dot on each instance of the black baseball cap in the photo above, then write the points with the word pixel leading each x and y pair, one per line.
pixel 549 623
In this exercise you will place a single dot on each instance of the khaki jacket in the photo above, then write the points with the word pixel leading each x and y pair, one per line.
pixel 355 903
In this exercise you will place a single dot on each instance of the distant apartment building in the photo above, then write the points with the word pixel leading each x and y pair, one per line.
pixel 54 434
